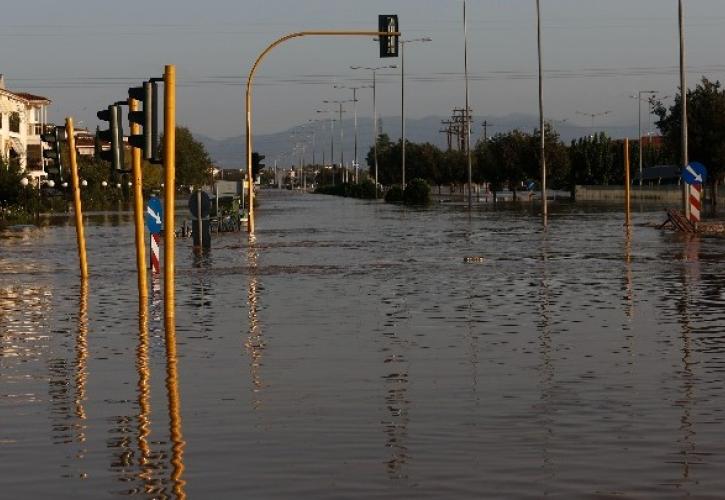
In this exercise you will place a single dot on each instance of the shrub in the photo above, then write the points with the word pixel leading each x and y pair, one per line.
pixel 394 195
pixel 417 192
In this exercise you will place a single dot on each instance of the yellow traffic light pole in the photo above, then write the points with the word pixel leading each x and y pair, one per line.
pixel 174 400
pixel 75 182
pixel 250 79
pixel 169 192
pixel 138 212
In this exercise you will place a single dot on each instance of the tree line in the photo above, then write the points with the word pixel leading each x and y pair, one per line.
pixel 510 160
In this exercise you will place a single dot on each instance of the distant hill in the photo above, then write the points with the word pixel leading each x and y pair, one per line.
pixel 230 152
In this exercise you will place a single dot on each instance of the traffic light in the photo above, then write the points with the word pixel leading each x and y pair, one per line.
pixel 114 135
pixel 388 44
pixel 148 118
pixel 257 164
pixel 53 153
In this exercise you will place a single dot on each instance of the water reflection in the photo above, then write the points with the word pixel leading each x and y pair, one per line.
pixel 144 395
pixel 174 404
pixel 546 367
pixel 396 387
pixel 690 277
pixel 68 392
pixel 254 343
pixel 628 286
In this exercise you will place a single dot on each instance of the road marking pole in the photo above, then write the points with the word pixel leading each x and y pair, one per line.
pixel 695 201
pixel 80 233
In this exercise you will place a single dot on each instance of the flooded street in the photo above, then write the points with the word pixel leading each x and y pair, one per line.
pixel 350 352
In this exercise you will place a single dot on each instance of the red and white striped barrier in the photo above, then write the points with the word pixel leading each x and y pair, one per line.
pixel 155 260
pixel 695 202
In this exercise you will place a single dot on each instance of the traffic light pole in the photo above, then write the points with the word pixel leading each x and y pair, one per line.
pixel 248 96
pixel 138 211
pixel 80 233
pixel 169 195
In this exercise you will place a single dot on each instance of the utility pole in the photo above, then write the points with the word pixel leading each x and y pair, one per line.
pixel 683 93
pixel 486 124
pixel 468 116
pixel 542 151
pixel 403 43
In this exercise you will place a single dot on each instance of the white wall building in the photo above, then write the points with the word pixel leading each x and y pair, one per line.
pixel 22 119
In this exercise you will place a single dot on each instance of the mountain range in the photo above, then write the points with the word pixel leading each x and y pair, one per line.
pixel 280 146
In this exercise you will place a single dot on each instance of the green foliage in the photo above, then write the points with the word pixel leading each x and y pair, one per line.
pixel 592 159
pixel 417 192
pixel 706 126
pixel 364 190
pixel 193 166
pixel 10 188
pixel 394 195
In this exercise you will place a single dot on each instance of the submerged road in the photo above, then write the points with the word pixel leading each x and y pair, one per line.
pixel 352 351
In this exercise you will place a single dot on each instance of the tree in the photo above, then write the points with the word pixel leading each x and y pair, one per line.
pixel 10 188
pixel 706 128
pixel 193 166
pixel 558 166
pixel 592 160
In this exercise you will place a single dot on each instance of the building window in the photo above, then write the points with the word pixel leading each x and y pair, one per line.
pixel 1 121
pixel 15 122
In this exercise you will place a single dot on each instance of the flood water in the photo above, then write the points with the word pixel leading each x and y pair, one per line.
pixel 351 352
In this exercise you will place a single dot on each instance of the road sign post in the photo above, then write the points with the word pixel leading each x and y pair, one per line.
pixel 694 175
pixel 154 216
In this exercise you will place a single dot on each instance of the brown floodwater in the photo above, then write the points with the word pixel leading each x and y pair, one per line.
pixel 352 351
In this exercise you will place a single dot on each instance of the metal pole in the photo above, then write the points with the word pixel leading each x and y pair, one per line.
pixel 375 134
pixel 354 105
pixel 138 212
pixel 80 233
pixel 199 224
pixel 683 92
pixel 332 145
pixel 248 95
pixel 169 199
pixel 342 144
pixel 544 201
pixel 639 137
pixel 468 117
pixel 627 188
pixel 402 112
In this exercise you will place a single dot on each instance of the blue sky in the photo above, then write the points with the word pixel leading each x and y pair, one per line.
pixel 84 54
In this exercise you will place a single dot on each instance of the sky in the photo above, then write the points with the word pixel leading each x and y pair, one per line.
pixel 84 54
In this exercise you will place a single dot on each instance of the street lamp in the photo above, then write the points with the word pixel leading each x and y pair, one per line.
pixel 403 43
pixel 542 132
pixel 342 129
pixel 639 127
pixel 593 116
pixel 354 105
pixel 375 117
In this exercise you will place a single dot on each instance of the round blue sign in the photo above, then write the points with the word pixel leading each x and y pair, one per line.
pixel 153 215
pixel 695 173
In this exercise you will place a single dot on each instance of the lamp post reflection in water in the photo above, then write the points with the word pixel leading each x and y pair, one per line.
pixel 690 277
pixel 396 387
pixel 546 370
pixel 255 343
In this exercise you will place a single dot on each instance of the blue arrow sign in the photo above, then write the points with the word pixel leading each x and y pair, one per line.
pixel 153 215
pixel 695 173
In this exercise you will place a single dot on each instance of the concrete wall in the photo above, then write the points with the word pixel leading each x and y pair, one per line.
pixel 660 194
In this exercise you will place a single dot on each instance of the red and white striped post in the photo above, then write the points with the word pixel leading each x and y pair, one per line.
pixel 695 202
pixel 155 259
